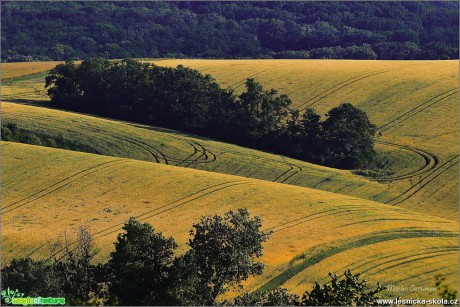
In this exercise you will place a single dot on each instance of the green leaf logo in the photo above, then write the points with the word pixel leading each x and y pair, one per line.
pixel 7 295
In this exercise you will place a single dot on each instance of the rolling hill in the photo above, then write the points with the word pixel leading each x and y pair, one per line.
pixel 414 104
pixel 313 231
pixel 129 140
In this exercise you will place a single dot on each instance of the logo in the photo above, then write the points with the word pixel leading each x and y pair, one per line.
pixel 17 298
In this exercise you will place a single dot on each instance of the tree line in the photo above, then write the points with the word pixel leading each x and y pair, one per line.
pixel 257 29
pixel 143 269
pixel 184 99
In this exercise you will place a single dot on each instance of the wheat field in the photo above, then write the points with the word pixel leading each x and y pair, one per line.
pixel 313 231
pixel 400 230
pixel 414 104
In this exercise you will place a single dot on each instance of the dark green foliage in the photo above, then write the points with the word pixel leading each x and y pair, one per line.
pixel 224 252
pixel 344 140
pixel 140 265
pixel 348 29
pixel 350 291
pixel 348 137
pixel 179 97
pixel 75 265
pixel 33 278
pixel 11 132
pixel 183 98
pixel 186 288
pixel 444 291
pixel 261 115
pixel 311 138
pixel 276 297
pixel 63 78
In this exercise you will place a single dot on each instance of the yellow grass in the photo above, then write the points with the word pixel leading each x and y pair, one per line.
pixel 46 191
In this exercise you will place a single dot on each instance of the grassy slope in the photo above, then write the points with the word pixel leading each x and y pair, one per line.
pixel 406 99
pixel 314 231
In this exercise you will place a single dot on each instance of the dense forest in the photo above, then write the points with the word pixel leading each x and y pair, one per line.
pixel 355 30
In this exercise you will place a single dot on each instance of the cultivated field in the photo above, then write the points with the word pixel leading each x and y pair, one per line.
pixel 401 229
pixel 314 231
pixel 12 71
pixel 128 140
pixel 414 103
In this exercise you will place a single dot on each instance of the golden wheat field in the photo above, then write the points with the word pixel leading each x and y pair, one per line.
pixel 317 231
pixel 21 69
pixel 401 229
pixel 128 140
pixel 414 104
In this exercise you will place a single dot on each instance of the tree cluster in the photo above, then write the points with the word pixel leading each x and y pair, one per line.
pixel 143 269
pixel 257 29
pixel 184 99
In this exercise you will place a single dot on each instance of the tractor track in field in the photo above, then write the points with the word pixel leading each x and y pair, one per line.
pixel 157 211
pixel 204 155
pixel 59 185
pixel 241 82
pixel 292 167
pixel 366 261
pixel 313 216
pixel 156 154
pixel 417 275
pixel 293 170
pixel 430 162
pixel 418 257
pixel 315 99
pixel 420 108
pixel 326 250
pixel 411 191
pixel 430 280
pixel 389 219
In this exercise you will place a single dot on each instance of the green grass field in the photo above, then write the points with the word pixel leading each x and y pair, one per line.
pixel 314 231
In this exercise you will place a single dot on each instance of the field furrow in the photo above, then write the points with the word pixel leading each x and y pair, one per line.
pixel 312 229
